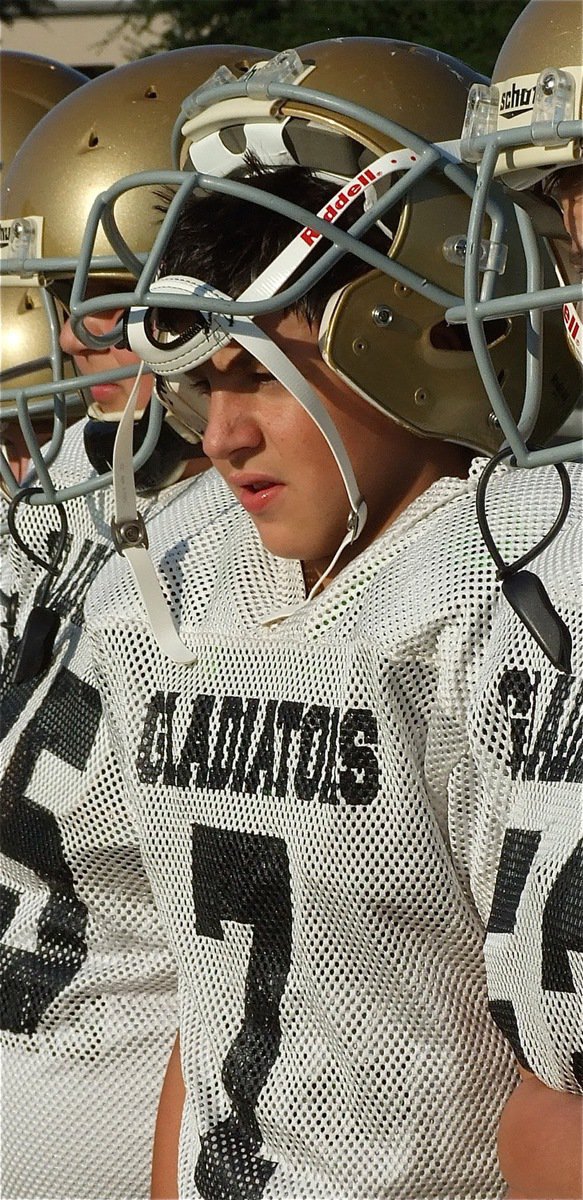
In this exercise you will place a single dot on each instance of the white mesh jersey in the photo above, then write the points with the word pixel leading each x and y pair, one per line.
pixel 88 987
pixel 526 737
pixel 7 593
pixel 322 843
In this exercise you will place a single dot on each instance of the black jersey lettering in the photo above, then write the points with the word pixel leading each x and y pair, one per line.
pixel 359 777
pixel 546 743
pixel 312 752
pixel 518 850
pixel 65 725
pixel 563 925
pixel 256 893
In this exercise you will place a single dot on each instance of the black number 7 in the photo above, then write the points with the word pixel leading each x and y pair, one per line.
pixel 244 877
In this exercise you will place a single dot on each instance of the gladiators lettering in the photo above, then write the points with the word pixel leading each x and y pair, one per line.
pixel 262 747
pixel 516 101
pixel 545 745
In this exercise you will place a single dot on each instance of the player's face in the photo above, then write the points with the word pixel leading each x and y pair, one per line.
pixel 277 463
pixel 110 397
pixel 569 193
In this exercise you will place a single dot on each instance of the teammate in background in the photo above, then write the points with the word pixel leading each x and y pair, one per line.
pixel 322 847
pixel 29 87
pixel 88 1008
pixel 535 931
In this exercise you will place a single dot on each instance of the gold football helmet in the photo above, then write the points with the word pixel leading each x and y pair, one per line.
pixel 120 122
pixel 383 119
pixel 527 127
pixel 30 86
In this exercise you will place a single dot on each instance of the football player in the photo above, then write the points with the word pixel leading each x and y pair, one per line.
pixel 534 940
pixel 88 985
pixel 29 87
pixel 322 847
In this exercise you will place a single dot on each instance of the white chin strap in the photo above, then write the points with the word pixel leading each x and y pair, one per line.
pixel 131 539
pixel 172 365
pixel 203 345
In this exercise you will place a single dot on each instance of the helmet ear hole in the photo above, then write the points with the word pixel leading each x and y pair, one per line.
pixel 456 337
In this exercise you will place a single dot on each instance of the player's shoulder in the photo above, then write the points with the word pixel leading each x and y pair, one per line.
pixel 187 525
pixel 429 586
pixel 431 563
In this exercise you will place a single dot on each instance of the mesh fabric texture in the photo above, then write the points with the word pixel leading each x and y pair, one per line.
pixel 88 983
pixel 323 827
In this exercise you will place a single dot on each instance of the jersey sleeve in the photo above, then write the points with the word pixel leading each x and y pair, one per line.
pixel 525 728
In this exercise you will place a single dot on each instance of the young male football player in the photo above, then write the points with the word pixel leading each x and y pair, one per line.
pixel 88 1010
pixel 321 845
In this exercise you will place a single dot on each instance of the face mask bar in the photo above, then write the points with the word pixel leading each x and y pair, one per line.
pixel 53 360
pixel 48 494
pixel 484 144
pixel 21 264
pixel 15 401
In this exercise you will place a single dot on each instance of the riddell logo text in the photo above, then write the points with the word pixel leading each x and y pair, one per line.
pixel 5 231
pixel 310 236
pixel 516 101
pixel 572 323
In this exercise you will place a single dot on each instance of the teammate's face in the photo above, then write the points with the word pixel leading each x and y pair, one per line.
pixel 569 194
pixel 109 397
pixel 277 463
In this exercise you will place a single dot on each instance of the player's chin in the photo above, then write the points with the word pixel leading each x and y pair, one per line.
pixel 293 541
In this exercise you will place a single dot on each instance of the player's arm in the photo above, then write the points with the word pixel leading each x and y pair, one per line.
pixel 167 1135
pixel 540 1142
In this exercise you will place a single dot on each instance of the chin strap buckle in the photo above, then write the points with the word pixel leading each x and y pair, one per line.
pixel 129 534
pixel 356 521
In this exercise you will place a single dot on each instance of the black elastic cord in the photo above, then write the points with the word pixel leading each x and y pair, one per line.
pixel 51 566
pixel 505 569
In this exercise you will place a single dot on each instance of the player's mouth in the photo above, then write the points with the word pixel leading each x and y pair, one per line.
pixel 102 393
pixel 256 492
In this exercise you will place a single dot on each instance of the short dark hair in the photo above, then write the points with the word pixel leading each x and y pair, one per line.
pixel 227 242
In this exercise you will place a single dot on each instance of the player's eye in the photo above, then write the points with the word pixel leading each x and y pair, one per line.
pixel 261 378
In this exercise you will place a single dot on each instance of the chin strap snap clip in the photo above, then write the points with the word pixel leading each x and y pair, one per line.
pixel 129 534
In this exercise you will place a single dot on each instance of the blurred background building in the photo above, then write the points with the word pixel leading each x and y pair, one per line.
pixel 91 35
pixel 95 35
